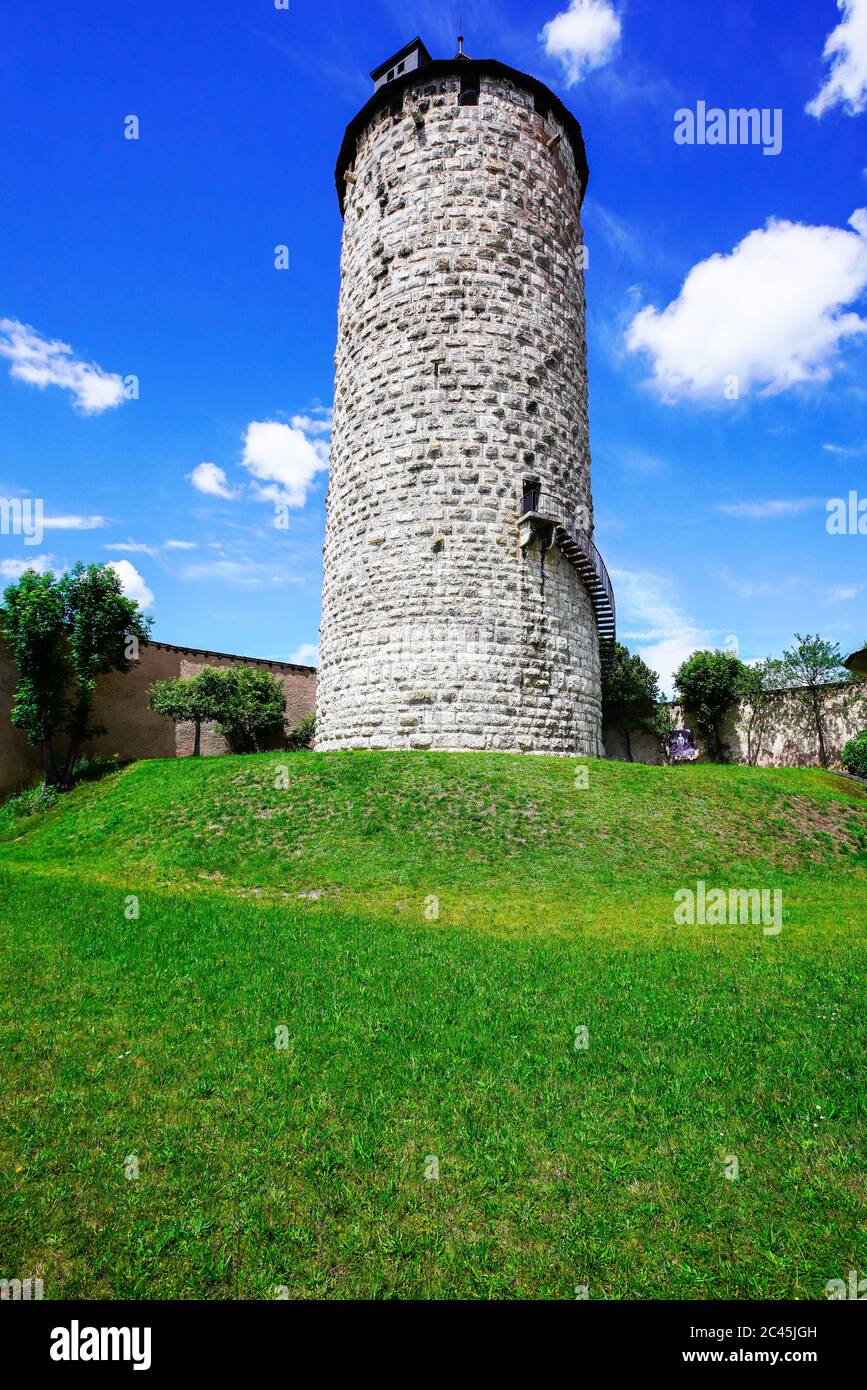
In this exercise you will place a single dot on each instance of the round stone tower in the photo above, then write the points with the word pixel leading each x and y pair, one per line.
pixel 465 605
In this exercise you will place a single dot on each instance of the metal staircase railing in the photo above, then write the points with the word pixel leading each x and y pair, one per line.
pixel 580 551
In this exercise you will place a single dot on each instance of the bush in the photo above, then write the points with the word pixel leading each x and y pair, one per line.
pixel 303 736
pixel 93 768
pixel 33 800
pixel 854 755
pixel 27 803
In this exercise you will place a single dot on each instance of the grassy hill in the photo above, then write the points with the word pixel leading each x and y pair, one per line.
pixel 306 904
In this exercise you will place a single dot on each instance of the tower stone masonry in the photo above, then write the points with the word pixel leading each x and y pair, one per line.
pixel 464 600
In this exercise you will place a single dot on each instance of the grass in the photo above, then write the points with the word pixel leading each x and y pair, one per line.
pixel 302 907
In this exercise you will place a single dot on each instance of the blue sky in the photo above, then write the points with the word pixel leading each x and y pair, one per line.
pixel 154 259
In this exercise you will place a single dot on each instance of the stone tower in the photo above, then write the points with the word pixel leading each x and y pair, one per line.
pixel 465 605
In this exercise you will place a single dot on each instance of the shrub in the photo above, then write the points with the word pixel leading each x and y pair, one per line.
pixel 33 800
pixel 27 803
pixel 93 768
pixel 854 755
pixel 303 736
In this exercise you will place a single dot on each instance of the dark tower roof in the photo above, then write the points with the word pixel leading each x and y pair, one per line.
pixel 416 43
pixel 459 66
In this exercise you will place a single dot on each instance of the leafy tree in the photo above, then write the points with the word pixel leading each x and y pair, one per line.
pixel 185 701
pixel 806 670
pixel 62 634
pixel 707 684
pixel 244 702
pixel 854 755
pixel 105 630
pixel 758 688
pixel 32 621
pixel 249 703
pixel 630 694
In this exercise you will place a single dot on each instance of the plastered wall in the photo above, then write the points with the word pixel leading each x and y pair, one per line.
pixel 134 731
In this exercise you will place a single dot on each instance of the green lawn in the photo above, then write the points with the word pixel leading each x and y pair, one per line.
pixel 309 908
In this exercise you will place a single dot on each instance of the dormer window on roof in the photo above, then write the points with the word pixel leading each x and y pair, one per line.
pixel 412 56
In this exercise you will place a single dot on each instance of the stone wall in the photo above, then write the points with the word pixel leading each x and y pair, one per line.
pixel 134 731
pixel 460 368
pixel 786 740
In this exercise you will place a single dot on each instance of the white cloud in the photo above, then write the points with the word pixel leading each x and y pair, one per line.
pixel 246 574
pixel 305 655
pixel 846 52
pixel 841 594
pixel 284 459
pixel 13 569
pixel 846 450
pixel 74 523
pixel 665 636
pixel 768 314
pixel 765 588
pixel 180 545
pixel 583 37
pixel 132 548
pixel 761 511
pixel 133 585
pixel 208 478
pixel 637 461
pixel 318 423
pixel 48 362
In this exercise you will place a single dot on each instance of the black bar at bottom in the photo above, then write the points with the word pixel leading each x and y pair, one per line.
pixel 174 1339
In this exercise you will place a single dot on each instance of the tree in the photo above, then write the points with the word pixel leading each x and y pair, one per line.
pixel 807 669
pixel 630 694
pixel 249 702
pixel 184 701
pixel 758 688
pixel 243 701
pixel 707 684
pixel 63 633
pixel 32 621
pixel 105 630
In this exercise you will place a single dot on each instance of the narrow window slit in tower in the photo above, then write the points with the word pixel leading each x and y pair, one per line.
pixel 469 95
